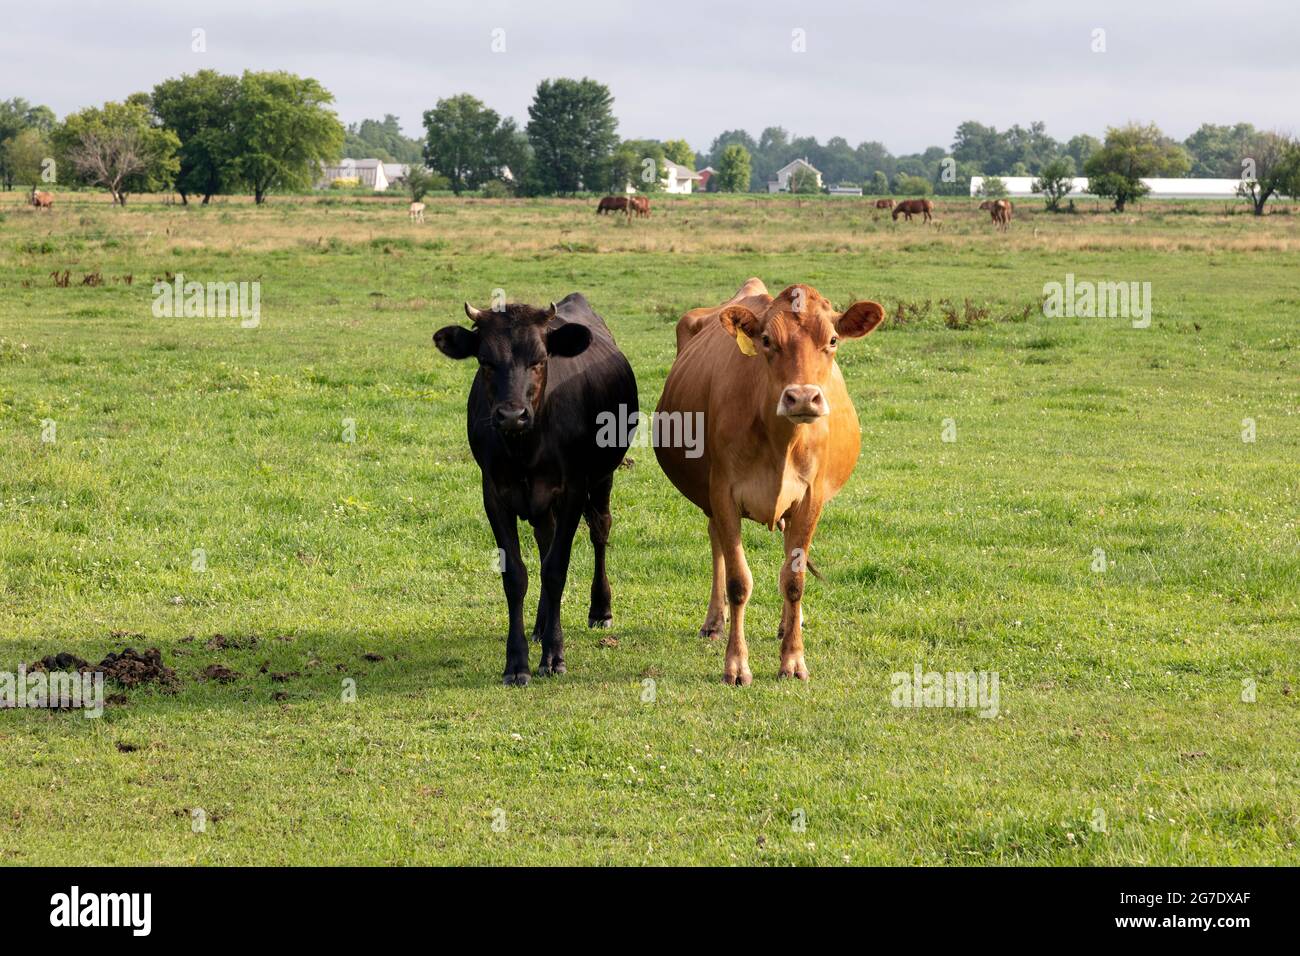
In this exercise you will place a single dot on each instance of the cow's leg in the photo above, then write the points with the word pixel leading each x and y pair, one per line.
pixel 599 521
pixel 514 579
pixel 726 518
pixel 555 570
pixel 715 620
pixel 543 534
pixel 799 528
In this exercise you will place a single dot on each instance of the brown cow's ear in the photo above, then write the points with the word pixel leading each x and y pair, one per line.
pixel 859 319
pixel 456 341
pixel 737 318
pixel 567 340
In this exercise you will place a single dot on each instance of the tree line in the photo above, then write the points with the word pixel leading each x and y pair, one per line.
pixel 208 133
pixel 199 135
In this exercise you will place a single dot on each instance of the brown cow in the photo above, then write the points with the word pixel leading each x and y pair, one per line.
pixel 638 206
pixel 612 204
pixel 909 207
pixel 999 210
pixel 884 204
pixel 780 439
pixel 42 200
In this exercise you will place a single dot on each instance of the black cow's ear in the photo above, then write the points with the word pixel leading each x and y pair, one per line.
pixel 456 341
pixel 859 319
pixel 568 340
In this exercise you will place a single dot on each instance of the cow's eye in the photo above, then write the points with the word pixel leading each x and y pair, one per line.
pixel 767 342
pixel 834 341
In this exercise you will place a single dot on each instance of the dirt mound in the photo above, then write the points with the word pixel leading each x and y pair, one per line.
pixel 219 673
pixel 63 661
pixel 127 667
pixel 131 669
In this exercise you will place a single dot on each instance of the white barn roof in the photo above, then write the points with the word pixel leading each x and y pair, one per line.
pixel 1160 188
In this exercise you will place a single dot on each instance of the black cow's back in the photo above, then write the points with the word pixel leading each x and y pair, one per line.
pixel 580 389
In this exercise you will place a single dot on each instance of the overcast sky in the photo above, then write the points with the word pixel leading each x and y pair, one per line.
pixel 904 72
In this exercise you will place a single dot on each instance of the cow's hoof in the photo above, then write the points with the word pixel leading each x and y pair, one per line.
pixel 793 666
pixel 517 679
pixel 742 679
pixel 552 670
pixel 710 633
pixel 607 621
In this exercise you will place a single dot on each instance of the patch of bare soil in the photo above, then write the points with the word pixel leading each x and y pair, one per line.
pixel 219 673
pixel 128 667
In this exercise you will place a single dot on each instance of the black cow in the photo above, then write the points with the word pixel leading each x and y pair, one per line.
pixel 544 382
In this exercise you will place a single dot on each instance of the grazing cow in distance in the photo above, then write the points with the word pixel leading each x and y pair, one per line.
pixel 547 379
pixel 884 204
pixel 781 437
pixel 42 200
pixel 999 210
pixel 612 204
pixel 417 212
pixel 638 206
pixel 911 207
pixel 1002 213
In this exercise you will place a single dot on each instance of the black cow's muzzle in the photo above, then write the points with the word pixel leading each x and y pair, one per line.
pixel 512 419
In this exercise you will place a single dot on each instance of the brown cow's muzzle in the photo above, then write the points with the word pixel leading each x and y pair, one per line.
pixel 803 404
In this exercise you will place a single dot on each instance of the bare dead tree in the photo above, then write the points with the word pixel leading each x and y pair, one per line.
pixel 110 160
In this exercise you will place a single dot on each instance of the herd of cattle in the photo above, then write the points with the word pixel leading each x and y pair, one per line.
pixel 639 206
pixel 1000 209
pixel 779 438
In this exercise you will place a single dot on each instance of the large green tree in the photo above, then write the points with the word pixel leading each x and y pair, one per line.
pixel 680 152
pixel 734 169
pixel 1080 148
pixel 119 147
pixel 284 130
pixel 638 163
pixel 30 158
pixel 1217 152
pixel 1130 153
pixel 572 130
pixel 200 110
pixel 17 115
pixel 469 143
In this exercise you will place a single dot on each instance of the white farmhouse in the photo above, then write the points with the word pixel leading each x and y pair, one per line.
pixel 677 178
pixel 781 184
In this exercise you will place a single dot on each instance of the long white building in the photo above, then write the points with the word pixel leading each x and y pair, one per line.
pixel 1160 188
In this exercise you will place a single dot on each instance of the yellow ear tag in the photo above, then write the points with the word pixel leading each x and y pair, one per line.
pixel 746 343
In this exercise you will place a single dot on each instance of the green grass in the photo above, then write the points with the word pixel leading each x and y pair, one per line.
pixel 1120 691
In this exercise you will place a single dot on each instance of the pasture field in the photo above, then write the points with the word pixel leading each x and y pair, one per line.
pixel 1149 713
